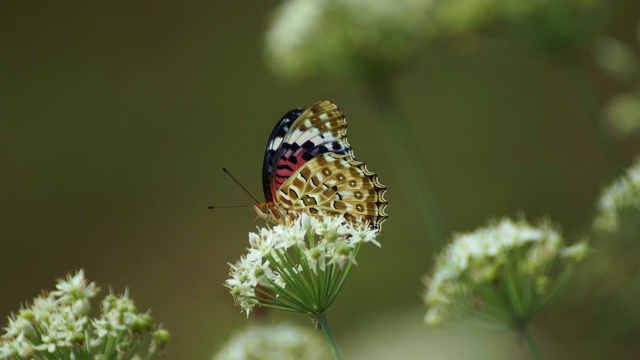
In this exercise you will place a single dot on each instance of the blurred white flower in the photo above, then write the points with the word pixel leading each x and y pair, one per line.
pixel 504 272
pixel 275 342
pixel 617 58
pixel 619 206
pixel 357 38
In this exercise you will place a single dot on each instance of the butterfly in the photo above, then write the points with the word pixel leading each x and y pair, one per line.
pixel 309 167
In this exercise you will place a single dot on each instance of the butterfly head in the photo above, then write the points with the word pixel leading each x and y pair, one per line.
pixel 262 209
pixel 270 212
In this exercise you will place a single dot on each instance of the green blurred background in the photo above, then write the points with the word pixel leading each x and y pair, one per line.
pixel 116 119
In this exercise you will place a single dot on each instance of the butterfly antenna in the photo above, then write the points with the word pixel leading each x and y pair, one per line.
pixel 228 206
pixel 245 190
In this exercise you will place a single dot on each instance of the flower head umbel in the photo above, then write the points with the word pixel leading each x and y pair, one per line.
pixel 300 267
pixel 56 326
pixel 275 342
pixel 619 206
pixel 507 272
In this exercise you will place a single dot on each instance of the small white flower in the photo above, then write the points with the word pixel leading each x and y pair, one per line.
pixel 268 242
pixel 294 236
pixel 74 288
pixel 20 325
pixel 261 274
pixel 14 349
pixel 307 222
pixel 43 307
pixel 105 327
pixel 10 349
pixel 254 240
pixel 315 257
pixel 340 252
pixel 576 252
pixel 364 235
pixel 51 341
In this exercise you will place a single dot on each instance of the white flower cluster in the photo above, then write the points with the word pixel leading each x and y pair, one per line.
pixel 275 342
pixel 305 257
pixel 491 266
pixel 56 326
pixel 619 206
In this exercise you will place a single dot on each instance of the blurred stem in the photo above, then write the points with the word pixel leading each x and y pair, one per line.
pixel 322 324
pixel 587 98
pixel 410 168
pixel 531 344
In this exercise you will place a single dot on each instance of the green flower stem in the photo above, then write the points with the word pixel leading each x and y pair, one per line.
pixel 531 344
pixel 321 322
pixel 411 168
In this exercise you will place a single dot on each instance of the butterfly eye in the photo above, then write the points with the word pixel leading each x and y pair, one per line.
pixel 340 177
pixel 357 194
pixel 326 172
pixel 352 183
pixel 360 207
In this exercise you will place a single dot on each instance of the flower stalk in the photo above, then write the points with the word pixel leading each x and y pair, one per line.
pixel 524 334
pixel 321 323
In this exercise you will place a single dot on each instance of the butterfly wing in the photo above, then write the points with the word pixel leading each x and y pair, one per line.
pixel 336 185
pixel 273 145
pixel 293 142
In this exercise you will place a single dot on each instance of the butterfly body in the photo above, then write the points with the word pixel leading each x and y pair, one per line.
pixel 309 167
